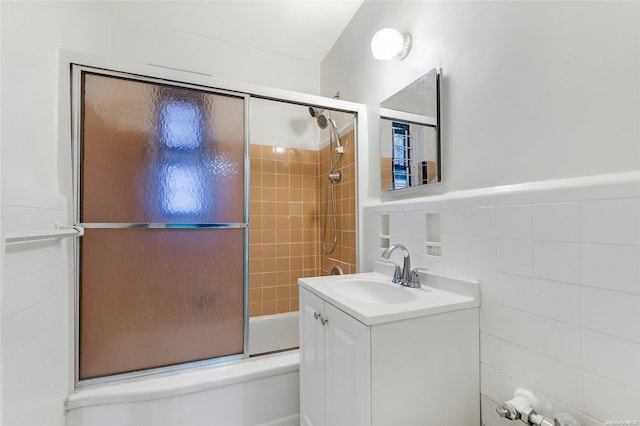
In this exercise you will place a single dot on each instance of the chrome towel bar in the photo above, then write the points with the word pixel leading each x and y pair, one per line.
pixel 61 231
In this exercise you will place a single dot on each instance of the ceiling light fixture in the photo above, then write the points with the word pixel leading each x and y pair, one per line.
pixel 389 44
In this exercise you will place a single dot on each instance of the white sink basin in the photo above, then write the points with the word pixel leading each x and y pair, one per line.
pixel 373 291
pixel 372 298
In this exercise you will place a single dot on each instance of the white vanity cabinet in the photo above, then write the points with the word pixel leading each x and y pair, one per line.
pixel 334 365
pixel 387 367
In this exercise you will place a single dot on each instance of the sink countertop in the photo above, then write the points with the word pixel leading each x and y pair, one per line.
pixel 435 296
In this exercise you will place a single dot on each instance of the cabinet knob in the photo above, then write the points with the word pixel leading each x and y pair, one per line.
pixel 323 321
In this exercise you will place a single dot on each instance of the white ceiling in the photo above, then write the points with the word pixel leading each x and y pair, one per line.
pixel 304 29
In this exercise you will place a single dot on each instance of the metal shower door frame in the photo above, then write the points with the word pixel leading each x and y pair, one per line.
pixel 76 133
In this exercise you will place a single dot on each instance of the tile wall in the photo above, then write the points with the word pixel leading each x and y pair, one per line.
pixel 36 314
pixel 559 269
pixel 386 171
pixel 344 255
pixel 287 191
pixel 283 226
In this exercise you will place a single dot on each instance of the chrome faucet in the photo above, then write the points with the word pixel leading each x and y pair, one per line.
pixel 397 272
pixel 406 276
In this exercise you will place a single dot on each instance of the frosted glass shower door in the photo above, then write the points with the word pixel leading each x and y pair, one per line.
pixel 161 193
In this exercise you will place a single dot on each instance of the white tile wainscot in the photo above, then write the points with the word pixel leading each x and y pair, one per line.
pixel 36 311
pixel 560 299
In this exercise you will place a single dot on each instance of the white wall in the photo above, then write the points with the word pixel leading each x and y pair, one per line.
pixel 282 124
pixel 32 34
pixel 35 300
pixel 1 252
pixel 559 280
pixel 36 332
pixel 530 90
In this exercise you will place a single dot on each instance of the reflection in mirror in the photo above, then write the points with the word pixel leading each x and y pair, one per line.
pixel 410 135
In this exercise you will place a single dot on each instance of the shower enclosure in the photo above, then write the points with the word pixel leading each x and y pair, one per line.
pixel 290 162
pixel 161 178
pixel 181 243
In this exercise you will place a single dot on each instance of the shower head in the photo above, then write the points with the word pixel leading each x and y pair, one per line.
pixel 321 119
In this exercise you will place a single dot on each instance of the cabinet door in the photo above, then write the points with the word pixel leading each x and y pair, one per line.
pixel 347 370
pixel 312 382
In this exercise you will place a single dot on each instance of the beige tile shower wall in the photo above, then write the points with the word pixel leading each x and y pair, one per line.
pixel 386 171
pixel 344 255
pixel 283 226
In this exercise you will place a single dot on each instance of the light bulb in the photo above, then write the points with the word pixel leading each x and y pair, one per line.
pixel 389 44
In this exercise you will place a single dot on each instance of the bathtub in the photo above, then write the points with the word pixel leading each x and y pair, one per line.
pixel 260 390
pixel 270 333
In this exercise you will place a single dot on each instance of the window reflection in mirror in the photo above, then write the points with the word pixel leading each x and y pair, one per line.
pixel 410 135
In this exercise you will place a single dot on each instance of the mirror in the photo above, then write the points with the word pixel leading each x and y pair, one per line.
pixel 410 135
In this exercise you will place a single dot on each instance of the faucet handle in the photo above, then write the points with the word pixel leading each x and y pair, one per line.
pixel 507 411
pixel 397 273
pixel 414 281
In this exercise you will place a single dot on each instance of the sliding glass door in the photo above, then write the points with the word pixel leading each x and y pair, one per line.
pixel 161 193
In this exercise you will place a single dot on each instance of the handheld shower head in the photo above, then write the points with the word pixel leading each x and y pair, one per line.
pixel 321 118
pixel 322 121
